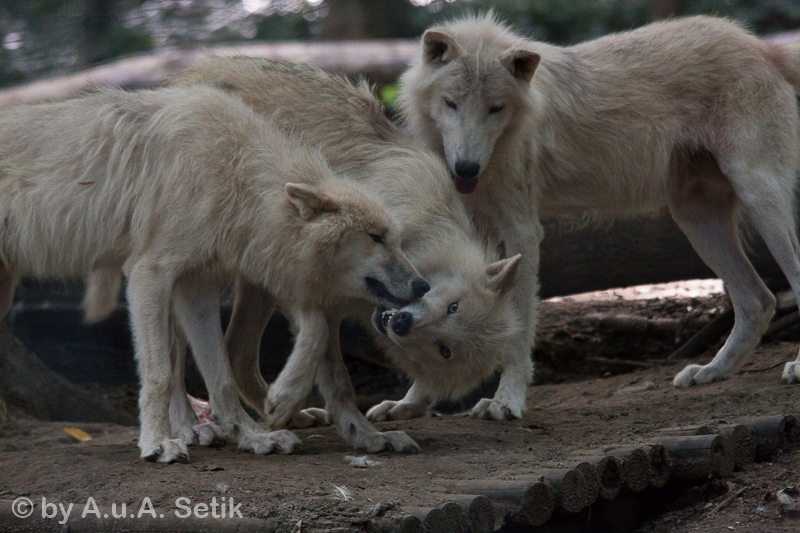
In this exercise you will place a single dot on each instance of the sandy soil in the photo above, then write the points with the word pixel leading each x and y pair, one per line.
pixel 37 459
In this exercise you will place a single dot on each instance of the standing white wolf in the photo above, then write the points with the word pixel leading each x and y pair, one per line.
pixel 448 341
pixel 696 113
pixel 183 188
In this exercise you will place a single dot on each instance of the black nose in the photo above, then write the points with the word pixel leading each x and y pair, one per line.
pixel 467 169
pixel 419 287
pixel 402 322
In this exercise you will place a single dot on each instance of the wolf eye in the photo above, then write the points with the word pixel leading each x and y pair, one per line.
pixel 444 351
pixel 377 238
pixel 496 109
pixel 452 308
pixel 451 104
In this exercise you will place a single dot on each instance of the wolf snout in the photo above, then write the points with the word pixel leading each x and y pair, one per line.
pixel 402 322
pixel 467 170
pixel 419 288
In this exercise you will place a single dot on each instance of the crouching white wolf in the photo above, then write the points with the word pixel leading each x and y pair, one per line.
pixel 696 113
pixel 183 188
pixel 448 341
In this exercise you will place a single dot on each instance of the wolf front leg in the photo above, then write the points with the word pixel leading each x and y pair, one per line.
pixel 150 284
pixel 509 400
pixel 197 309
pixel 415 404
pixel 340 400
pixel 296 381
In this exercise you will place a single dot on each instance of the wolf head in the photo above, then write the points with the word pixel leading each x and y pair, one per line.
pixel 453 337
pixel 467 88
pixel 363 240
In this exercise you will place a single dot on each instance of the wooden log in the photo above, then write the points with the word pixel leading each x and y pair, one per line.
pixel 609 471
pixel 635 467
pixel 571 491
pixel 28 384
pixel 536 505
pixel 709 335
pixel 457 518
pixel 696 458
pixel 410 524
pixel 479 511
pixel 686 431
pixel 532 498
pixel 592 478
pixel 636 325
pixel 434 520
pixel 743 444
pixel 660 464
pixel 772 433
pixel 381 61
pixel 627 252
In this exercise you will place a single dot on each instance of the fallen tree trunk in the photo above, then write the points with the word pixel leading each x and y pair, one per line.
pixel 28 384
pixel 379 61
pixel 636 251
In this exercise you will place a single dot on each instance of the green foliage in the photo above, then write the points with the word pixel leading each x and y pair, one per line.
pixel 9 74
pixel 388 95
pixel 122 41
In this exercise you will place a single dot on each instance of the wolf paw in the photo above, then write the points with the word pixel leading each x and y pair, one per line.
pixel 391 410
pixel 390 441
pixel 267 442
pixel 280 409
pixel 791 372
pixel 381 412
pixel 491 409
pixel 167 451
pixel 698 375
pixel 311 417
pixel 207 434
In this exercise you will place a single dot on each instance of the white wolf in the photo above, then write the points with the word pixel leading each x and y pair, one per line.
pixel 450 340
pixel 696 113
pixel 181 189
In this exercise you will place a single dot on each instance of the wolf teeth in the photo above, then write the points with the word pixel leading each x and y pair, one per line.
pixel 387 315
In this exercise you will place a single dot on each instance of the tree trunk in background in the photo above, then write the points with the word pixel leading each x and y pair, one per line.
pixel 635 251
pixel 97 20
pixel 664 9
pixel 27 383
pixel 352 20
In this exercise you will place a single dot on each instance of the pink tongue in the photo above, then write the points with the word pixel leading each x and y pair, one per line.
pixel 465 186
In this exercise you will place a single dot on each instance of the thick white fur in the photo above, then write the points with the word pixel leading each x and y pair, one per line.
pixel 346 122
pixel 696 113
pixel 182 189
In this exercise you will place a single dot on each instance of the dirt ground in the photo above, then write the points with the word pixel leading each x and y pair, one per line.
pixel 587 397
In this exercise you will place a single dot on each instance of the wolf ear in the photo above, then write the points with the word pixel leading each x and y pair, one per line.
pixel 521 63
pixel 438 47
pixel 500 276
pixel 308 200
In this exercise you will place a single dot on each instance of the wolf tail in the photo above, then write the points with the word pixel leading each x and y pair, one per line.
pixel 788 63
pixel 102 293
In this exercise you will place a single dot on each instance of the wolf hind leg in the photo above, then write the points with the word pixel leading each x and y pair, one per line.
pixel 770 208
pixel 8 282
pixel 704 205
pixel 252 310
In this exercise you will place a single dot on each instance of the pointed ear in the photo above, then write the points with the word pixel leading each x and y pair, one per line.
pixel 500 276
pixel 521 63
pixel 438 47
pixel 308 200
